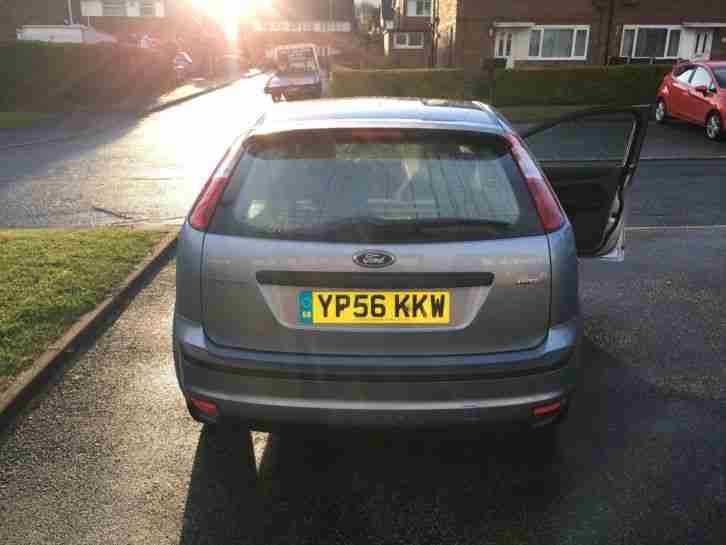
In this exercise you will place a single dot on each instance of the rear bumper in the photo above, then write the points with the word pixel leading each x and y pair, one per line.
pixel 271 389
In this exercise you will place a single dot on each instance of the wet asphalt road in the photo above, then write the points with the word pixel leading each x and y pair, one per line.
pixel 140 170
pixel 105 453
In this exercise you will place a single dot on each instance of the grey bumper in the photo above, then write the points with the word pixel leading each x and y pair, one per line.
pixel 268 389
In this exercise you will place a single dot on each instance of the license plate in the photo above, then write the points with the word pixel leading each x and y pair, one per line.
pixel 374 307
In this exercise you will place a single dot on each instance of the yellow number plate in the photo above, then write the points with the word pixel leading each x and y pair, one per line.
pixel 375 307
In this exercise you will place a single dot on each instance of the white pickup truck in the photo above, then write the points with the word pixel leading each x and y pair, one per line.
pixel 298 74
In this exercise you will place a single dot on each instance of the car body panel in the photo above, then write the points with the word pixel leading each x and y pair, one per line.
pixel 509 315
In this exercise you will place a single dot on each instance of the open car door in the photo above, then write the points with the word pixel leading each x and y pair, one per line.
pixel 590 158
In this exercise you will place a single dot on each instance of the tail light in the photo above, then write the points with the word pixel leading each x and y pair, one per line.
pixel 206 407
pixel 548 207
pixel 206 203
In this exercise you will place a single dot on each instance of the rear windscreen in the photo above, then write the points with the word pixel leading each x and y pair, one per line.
pixel 720 74
pixel 376 186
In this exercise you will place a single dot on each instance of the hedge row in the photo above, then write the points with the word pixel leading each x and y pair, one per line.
pixel 52 77
pixel 560 86
pixel 424 83
pixel 607 85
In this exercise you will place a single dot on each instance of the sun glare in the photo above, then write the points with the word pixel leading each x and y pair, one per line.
pixel 229 12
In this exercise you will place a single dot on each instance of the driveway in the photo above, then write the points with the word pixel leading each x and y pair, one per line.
pixel 106 454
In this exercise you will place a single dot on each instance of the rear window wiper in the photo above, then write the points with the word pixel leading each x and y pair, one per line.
pixel 447 222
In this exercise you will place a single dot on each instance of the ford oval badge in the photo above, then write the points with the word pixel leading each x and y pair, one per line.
pixel 374 259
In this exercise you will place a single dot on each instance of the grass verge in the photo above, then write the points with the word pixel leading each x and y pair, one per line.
pixel 21 120
pixel 51 277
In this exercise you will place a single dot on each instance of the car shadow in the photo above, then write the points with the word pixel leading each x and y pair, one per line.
pixel 464 487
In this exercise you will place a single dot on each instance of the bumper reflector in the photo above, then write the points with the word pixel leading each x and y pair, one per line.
pixel 544 410
pixel 205 406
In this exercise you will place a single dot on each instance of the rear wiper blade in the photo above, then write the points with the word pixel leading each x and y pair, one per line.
pixel 443 223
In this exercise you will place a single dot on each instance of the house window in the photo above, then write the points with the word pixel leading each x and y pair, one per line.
pixel 148 8
pixel 409 40
pixel 702 43
pixel 646 41
pixel 418 8
pixel 503 47
pixel 114 8
pixel 559 42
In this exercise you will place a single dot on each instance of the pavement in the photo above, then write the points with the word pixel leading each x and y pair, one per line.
pixel 106 454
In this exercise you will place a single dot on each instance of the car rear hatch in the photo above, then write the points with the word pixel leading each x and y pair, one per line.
pixel 376 242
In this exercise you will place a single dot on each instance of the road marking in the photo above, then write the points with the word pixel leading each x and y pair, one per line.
pixel 675 227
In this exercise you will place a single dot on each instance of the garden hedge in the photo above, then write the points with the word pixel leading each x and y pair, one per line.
pixel 425 83
pixel 609 85
pixel 606 85
pixel 51 77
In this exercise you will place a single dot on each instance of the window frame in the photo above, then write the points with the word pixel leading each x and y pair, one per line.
pixel 416 2
pixel 636 28
pixel 396 45
pixel 573 28
pixel 147 4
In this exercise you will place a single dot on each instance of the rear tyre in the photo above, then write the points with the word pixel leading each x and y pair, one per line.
pixel 714 126
pixel 661 112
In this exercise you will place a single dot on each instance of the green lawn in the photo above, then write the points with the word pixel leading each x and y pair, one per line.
pixel 51 277
pixel 537 114
pixel 21 120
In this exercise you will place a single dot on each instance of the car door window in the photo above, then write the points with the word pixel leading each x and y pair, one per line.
pixel 701 77
pixel 589 159
pixel 685 76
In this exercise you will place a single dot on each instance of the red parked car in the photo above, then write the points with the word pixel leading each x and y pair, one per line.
pixel 695 92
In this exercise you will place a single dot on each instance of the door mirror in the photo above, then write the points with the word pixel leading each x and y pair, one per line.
pixel 703 89
pixel 712 88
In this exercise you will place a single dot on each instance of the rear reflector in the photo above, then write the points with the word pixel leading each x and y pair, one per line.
pixel 550 408
pixel 206 203
pixel 548 207
pixel 205 406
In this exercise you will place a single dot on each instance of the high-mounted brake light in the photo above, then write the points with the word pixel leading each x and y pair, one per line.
pixel 206 203
pixel 548 207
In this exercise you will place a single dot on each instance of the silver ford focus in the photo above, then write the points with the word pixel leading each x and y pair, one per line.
pixel 397 262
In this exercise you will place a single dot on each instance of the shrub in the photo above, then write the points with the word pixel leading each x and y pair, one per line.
pixel 425 83
pixel 607 85
pixel 611 85
pixel 50 77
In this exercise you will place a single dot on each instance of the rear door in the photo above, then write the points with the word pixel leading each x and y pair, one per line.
pixel 366 241
pixel 590 158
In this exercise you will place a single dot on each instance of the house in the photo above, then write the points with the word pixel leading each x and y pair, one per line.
pixel 532 33
pixel 407 28
pixel 15 14
pixel 330 25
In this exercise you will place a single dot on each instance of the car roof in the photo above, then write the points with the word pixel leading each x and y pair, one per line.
pixel 381 113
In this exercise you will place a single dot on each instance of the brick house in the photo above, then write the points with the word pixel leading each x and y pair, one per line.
pixel 577 32
pixel 329 24
pixel 407 37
